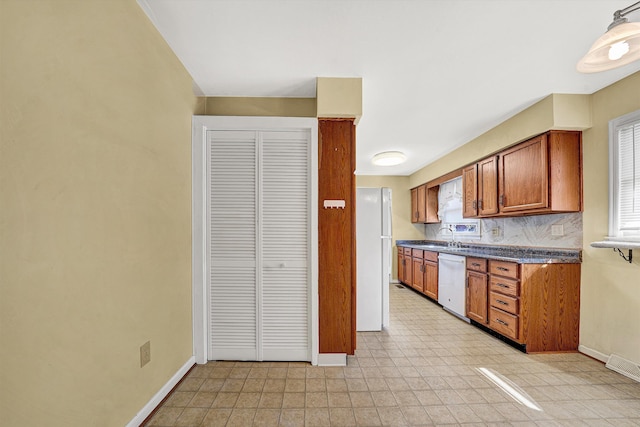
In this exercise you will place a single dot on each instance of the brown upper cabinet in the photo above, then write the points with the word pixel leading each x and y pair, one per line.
pixel 419 204
pixel 541 175
pixel 470 191
pixel 424 204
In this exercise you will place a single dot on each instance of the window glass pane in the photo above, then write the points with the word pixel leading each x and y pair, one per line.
pixel 628 209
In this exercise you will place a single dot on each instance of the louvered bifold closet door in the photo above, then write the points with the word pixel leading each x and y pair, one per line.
pixel 232 244
pixel 285 202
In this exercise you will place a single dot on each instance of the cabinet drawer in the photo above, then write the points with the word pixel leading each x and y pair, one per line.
pixel 505 323
pixel 503 302
pixel 503 285
pixel 407 251
pixel 503 268
pixel 477 264
pixel 417 253
pixel 431 256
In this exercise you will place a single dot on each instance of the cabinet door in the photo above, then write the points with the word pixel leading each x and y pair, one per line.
pixel 432 205
pixel 414 205
pixel 422 203
pixel 408 270
pixel 400 265
pixel 431 279
pixel 488 186
pixel 477 296
pixel 469 192
pixel 524 176
pixel 418 274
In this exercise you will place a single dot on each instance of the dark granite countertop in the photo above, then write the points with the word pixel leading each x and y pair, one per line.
pixel 519 254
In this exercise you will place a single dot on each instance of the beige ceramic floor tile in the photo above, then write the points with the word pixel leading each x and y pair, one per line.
pixel 342 417
pixel 293 400
pixel 216 417
pixel 248 400
pixel 292 418
pixel 316 400
pixel 266 418
pixel 317 417
pixel 191 417
pixel 241 417
pixel 422 370
pixel 339 400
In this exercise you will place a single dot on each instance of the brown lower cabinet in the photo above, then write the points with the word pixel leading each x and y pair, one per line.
pixel 419 269
pixel 535 305
pixel 405 267
pixel 477 290
pixel 430 264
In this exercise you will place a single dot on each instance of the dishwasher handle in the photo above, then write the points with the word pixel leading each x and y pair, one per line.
pixel 452 258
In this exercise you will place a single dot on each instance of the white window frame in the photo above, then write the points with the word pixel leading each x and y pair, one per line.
pixel 614 174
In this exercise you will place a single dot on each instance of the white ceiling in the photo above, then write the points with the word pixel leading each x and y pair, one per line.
pixel 436 73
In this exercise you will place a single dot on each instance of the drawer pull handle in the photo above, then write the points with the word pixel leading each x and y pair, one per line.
pixel 502 322
pixel 499 301
pixel 475 264
pixel 502 285
pixel 502 269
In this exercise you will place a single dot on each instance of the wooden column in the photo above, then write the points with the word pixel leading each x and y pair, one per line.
pixel 336 236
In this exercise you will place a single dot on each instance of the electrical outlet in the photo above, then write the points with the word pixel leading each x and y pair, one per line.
pixel 145 353
pixel 557 230
pixel 495 232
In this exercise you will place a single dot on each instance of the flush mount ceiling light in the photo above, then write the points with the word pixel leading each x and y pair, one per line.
pixel 619 46
pixel 389 158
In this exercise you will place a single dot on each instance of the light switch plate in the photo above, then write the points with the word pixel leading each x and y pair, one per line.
pixel 557 230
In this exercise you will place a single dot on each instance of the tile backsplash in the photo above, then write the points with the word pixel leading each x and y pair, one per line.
pixel 536 230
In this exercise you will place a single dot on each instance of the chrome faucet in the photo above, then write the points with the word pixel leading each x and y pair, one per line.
pixel 453 242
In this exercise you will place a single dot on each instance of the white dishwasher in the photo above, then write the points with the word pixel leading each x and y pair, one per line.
pixel 452 294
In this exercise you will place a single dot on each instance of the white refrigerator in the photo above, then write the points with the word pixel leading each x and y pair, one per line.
pixel 373 254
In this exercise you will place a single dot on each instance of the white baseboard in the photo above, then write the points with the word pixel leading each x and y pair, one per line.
pixel 161 394
pixel 593 353
pixel 332 359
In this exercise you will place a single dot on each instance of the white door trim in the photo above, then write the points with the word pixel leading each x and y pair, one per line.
pixel 200 125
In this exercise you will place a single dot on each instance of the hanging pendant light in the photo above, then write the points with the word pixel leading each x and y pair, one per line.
pixel 619 46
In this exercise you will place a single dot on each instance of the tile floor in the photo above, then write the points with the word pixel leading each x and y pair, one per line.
pixel 423 370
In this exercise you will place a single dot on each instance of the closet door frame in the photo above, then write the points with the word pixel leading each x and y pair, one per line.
pixel 200 291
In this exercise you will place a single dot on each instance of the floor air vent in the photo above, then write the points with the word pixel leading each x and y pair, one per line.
pixel 399 286
pixel 624 367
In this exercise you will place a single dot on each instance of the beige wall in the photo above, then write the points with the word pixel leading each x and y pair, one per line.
pixel 95 217
pixel 403 229
pixel 252 106
pixel 610 305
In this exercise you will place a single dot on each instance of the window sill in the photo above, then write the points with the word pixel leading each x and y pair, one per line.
pixel 618 246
